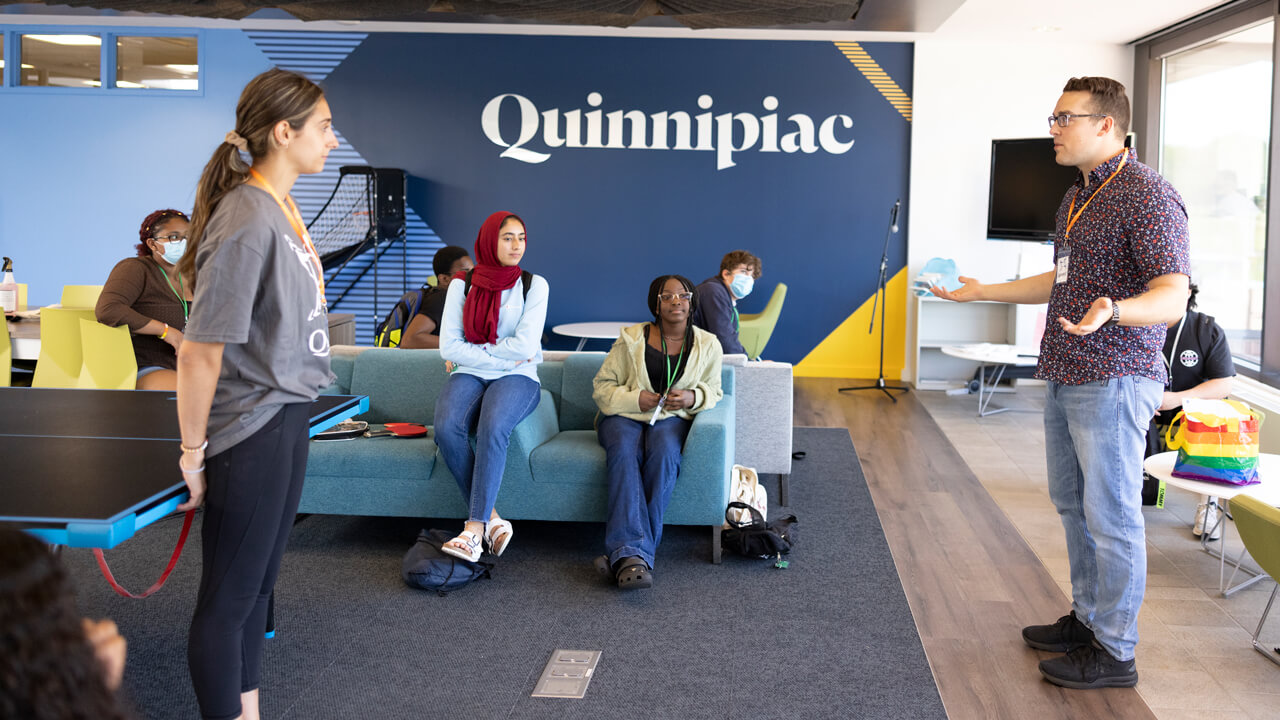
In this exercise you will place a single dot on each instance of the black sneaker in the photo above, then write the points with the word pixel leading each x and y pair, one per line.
pixel 1089 667
pixel 1063 636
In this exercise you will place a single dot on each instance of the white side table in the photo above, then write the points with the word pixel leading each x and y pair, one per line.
pixel 1268 491
pixel 993 358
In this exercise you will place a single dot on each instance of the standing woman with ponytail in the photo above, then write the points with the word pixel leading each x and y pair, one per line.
pixel 656 377
pixel 256 355
pixel 492 333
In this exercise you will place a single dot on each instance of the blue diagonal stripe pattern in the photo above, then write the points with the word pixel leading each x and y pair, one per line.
pixel 401 266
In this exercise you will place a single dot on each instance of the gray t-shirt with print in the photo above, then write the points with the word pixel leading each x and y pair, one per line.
pixel 257 293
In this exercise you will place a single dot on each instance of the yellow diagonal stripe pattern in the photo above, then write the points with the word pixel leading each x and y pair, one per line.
pixel 880 79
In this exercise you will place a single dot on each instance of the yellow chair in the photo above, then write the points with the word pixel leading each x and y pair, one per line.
pixel 60 347
pixel 80 296
pixel 1259 526
pixel 109 362
pixel 6 353
pixel 755 329
pixel 22 296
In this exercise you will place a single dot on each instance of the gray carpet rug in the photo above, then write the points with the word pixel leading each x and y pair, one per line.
pixel 830 636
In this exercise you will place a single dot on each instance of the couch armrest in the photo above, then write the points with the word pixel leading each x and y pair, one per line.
pixel 533 431
pixel 711 444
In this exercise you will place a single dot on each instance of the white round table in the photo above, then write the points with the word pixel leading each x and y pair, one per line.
pixel 1160 466
pixel 996 357
pixel 600 330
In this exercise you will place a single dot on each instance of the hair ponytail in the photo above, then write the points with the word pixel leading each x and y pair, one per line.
pixel 273 96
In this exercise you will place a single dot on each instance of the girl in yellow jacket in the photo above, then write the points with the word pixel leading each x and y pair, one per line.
pixel 657 376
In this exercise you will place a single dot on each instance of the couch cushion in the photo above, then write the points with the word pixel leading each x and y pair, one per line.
pixel 402 385
pixel 577 408
pixel 373 458
pixel 572 457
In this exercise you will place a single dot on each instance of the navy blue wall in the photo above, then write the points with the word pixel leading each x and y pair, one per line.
pixel 83 168
pixel 603 222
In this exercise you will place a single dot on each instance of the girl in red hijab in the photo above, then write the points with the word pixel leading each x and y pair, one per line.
pixel 491 331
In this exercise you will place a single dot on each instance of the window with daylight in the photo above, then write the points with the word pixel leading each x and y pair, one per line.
pixel 1221 170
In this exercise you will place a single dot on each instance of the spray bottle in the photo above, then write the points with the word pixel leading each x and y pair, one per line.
pixel 8 289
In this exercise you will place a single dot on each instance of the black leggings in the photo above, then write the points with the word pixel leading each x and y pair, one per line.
pixel 249 509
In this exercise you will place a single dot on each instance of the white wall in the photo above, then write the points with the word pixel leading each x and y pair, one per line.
pixel 966 92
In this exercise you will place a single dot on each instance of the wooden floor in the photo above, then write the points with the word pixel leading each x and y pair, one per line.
pixel 970 577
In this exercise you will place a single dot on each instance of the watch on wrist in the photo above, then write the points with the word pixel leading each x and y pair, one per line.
pixel 1115 315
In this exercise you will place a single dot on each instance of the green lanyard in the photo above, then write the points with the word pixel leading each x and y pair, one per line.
pixel 671 373
pixel 736 328
pixel 185 311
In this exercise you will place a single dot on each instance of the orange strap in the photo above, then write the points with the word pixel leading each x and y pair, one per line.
pixel 1073 218
pixel 295 219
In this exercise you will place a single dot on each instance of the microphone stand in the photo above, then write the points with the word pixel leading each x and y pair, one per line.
pixel 880 291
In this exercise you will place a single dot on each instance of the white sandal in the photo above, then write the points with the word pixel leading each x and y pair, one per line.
pixel 467 538
pixel 495 529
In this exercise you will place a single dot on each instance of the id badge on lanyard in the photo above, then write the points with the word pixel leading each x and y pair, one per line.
pixel 1062 261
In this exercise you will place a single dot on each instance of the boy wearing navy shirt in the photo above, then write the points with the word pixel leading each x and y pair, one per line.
pixel 716 310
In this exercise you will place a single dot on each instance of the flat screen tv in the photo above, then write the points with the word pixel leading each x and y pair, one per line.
pixel 1027 186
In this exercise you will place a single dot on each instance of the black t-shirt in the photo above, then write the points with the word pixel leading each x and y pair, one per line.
pixel 657 364
pixel 1202 354
pixel 433 306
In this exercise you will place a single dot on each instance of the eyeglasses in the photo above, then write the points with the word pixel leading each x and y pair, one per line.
pixel 1064 119
pixel 171 237
pixel 672 297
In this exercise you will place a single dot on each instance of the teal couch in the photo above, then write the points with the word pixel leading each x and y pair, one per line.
pixel 555 466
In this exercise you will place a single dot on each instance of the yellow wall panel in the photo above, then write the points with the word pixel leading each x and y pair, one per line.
pixel 850 352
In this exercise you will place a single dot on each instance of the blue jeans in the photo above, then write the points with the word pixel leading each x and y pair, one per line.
pixel 643 462
pixel 1095 437
pixel 492 409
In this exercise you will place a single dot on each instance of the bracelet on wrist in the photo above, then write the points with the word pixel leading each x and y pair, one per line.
pixel 190 472
pixel 201 447
pixel 166 331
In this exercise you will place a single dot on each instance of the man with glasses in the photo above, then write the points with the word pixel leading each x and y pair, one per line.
pixel 1120 273
pixel 717 308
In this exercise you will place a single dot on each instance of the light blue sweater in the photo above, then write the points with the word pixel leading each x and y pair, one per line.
pixel 519 347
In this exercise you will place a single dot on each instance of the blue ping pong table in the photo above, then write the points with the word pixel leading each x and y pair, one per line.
pixel 89 468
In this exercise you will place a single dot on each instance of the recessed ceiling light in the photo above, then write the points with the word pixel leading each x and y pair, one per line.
pixel 1046 29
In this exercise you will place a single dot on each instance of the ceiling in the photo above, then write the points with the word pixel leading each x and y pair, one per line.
pixel 1076 21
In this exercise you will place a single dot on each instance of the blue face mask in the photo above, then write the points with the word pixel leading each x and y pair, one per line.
pixel 741 285
pixel 173 251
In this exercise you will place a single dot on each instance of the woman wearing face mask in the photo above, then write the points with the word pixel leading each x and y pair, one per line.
pixel 657 376
pixel 491 331
pixel 149 295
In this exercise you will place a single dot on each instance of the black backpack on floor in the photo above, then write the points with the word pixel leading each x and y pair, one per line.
pixel 426 567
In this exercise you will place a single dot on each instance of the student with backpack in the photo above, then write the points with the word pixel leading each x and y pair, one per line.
pixel 414 322
pixel 491 330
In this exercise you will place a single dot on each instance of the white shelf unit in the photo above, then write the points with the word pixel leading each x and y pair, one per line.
pixel 942 322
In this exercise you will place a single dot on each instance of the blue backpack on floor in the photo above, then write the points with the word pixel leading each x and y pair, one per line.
pixel 426 567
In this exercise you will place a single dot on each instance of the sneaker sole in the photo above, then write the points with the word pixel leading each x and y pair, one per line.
pixel 1051 647
pixel 1126 681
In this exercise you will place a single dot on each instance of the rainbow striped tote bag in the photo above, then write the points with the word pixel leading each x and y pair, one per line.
pixel 1217 441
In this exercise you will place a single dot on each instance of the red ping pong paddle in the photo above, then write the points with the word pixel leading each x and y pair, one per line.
pixel 398 430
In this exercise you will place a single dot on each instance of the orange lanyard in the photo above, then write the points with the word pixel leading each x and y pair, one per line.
pixel 295 219
pixel 1073 218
